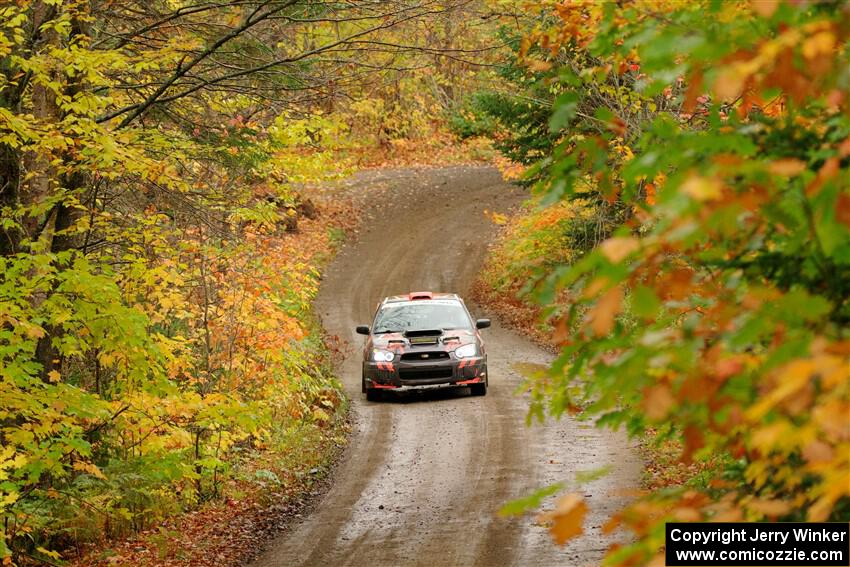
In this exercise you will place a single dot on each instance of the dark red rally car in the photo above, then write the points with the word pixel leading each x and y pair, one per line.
pixel 423 340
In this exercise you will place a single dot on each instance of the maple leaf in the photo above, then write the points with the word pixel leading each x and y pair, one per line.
pixel 565 521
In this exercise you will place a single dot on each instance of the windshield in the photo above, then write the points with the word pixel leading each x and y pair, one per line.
pixel 421 315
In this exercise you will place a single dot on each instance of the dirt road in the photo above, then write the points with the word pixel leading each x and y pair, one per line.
pixel 424 475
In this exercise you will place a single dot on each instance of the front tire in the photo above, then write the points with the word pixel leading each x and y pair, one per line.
pixel 478 389
pixel 373 395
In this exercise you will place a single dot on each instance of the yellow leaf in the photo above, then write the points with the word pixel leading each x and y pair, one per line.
pixel 702 188
pixel 821 43
pixel 49 553
pixel 499 218
pixel 53 376
pixel 90 468
pixel 8 499
pixel 566 519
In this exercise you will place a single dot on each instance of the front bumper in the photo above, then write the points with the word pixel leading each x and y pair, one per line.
pixel 401 375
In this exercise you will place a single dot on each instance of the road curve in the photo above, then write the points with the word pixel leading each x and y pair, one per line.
pixel 424 475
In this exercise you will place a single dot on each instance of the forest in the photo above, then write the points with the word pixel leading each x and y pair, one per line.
pixel 166 219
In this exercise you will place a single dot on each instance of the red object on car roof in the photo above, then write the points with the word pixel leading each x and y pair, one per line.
pixel 420 295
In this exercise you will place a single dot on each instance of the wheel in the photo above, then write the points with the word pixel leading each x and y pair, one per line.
pixel 363 385
pixel 373 395
pixel 478 389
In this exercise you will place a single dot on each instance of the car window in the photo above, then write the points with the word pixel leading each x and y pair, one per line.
pixel 420 316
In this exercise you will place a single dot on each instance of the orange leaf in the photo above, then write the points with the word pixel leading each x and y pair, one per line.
pixel 567 518
pixel 787 167
pixel 770 508
pixel 729 83
pixel 657 401
pixel 827 171
pixel 562 332
pixel 650 193
pixel 764 8
pixel 694 441
pixel 603 313
pixel 842 209
pixel 817 452
pixel 539 66
pixel 694 90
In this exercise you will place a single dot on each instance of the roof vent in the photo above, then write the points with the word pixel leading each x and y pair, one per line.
pixel 420 295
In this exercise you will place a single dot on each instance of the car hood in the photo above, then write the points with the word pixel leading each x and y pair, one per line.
pixel 448 341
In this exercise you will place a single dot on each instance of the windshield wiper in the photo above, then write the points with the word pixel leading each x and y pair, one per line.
pixel 383 331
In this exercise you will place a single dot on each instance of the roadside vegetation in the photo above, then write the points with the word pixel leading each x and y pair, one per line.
pixel 710 307
pixel 161 243
pixel 686 247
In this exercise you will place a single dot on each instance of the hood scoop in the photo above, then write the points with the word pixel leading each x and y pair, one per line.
pixel 424 337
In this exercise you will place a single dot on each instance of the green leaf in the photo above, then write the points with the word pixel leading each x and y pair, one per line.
pixel 533 500
pixel 565 110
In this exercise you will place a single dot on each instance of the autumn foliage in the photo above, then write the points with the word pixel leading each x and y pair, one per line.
pixel 714 311
pixel 159 248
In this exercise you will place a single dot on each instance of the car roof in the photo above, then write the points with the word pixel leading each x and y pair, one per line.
pixel 419 296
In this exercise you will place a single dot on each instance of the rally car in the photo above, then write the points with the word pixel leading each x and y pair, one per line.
pixel 423 340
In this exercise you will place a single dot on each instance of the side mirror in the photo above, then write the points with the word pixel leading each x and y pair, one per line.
pixel 482 323
pixel 362 329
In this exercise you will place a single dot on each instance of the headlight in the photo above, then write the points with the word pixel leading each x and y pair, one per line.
pixel 382 355
pixel 466 351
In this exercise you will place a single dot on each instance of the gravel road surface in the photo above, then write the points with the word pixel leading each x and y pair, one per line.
pixel 424 475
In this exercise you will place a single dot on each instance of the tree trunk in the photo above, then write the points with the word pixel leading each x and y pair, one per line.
pixel 10 181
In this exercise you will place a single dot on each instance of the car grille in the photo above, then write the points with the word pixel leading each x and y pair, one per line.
pixel 425 373
pixel 434 355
